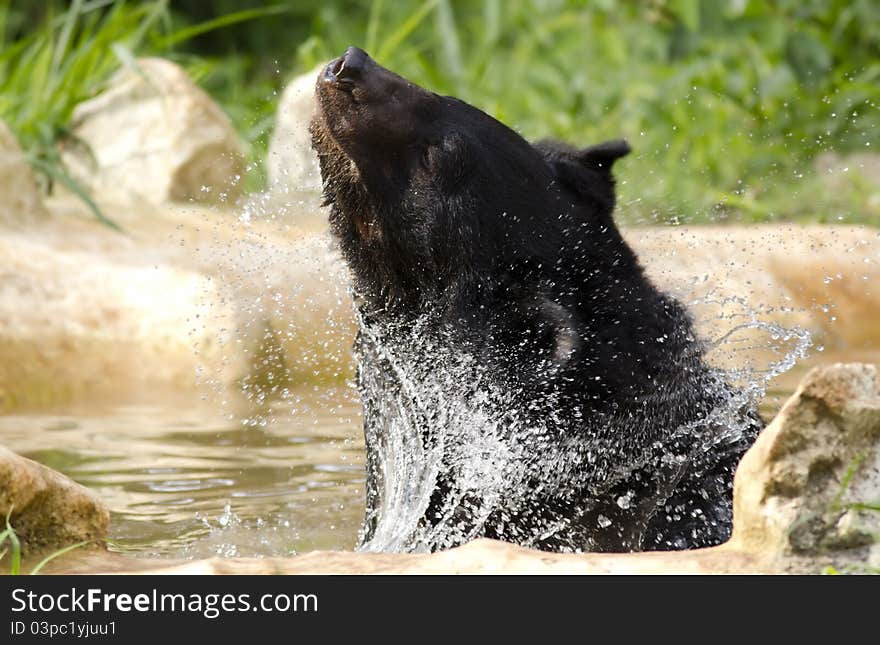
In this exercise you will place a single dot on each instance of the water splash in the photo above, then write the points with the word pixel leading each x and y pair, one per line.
pixel 230 536
pixel 456 458
pixel 454 449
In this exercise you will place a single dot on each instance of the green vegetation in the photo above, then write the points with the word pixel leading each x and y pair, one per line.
pixel 14 550
pixel 727 103
pixel 69 57
pixel 46 72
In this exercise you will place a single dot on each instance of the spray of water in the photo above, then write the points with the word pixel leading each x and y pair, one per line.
pixel 456 456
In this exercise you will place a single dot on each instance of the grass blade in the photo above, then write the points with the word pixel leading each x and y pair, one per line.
pixel 393 41
pixel 158 11
pixel 373 24
pixel 223 21
pixel 57 174
pixel 15 544
pixel 864 506
pixel 71 16
pixel 59 553
pixel 448 33
pixel 847 480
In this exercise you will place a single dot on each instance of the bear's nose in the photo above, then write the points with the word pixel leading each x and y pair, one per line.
pixel 347 67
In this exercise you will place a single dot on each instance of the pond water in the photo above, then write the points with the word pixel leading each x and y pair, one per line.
pixel 181 482
pixel 184 482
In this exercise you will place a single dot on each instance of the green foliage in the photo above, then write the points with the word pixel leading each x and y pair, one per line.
pixel 69 57
pixel 726 102
pixel 14 549
pixel 8 535
pixel 48 71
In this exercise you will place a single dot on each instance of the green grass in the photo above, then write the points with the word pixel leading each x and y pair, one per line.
pixel 14 550
pixel 837 507
pixel 70 56
pixel 727 103
pixel 67 59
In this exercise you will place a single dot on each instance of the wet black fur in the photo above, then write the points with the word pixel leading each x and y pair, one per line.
pixel 511 251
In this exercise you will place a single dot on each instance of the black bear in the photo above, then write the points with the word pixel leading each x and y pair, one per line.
pixel 521 378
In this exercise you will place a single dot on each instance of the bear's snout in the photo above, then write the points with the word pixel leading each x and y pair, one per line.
pixel 348 68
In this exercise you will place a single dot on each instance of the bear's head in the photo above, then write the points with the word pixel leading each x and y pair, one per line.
pixel 431 196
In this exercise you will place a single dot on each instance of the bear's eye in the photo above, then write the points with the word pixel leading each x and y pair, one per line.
pixel 428 157
pixel 445 160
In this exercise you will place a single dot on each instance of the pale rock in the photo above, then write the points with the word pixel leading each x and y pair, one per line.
pixel 191 302
pixel 855 174
pixel 21 201
pixel 809 489
pixel 481 556
pixel 746 284
pixel 292 164
pixel 48 510
pixel 834 168
pixel 154 135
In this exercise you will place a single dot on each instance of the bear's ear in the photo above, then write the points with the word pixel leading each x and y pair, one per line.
pixel 587 171
pixel 599 157
pixel 603 155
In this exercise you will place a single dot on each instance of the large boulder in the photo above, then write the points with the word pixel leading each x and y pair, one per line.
pixel 292 164
pixel 49 511
pixel 481 556
pixel 808 492
pixel 75 321
pixel 154 135
pixel 756 288
pixel 20 199
pixel 190 298
pixel 195 295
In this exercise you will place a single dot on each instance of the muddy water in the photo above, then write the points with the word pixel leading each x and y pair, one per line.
pixel 185 481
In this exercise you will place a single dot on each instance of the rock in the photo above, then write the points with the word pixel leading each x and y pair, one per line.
pixel 835 168
pixel 808 492
pixel 154 135
pixel 191 303
pixel 195 295
pixel 49 511
pixel 76 322
pixel 806 497
pixel 21 201
pixel 292 164
pixel 855 175
pixel 481 556
pixel 747 284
